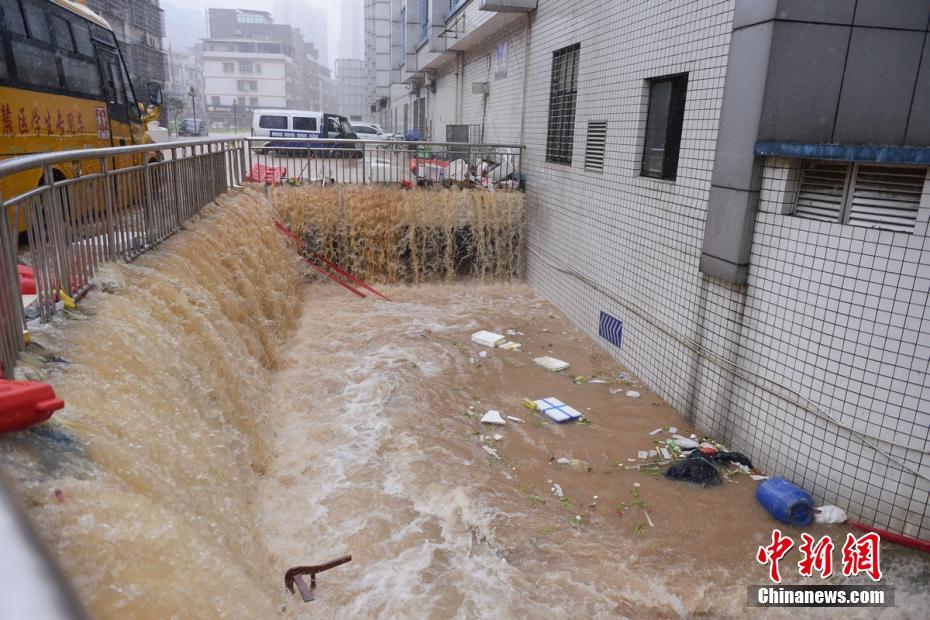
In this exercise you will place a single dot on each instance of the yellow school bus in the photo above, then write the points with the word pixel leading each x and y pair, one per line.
pixel 64 85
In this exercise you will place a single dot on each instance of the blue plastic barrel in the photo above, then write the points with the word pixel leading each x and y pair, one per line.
pixel 786 501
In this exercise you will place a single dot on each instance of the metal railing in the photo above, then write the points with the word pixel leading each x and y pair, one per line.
pixel 117 203
pixel 494 166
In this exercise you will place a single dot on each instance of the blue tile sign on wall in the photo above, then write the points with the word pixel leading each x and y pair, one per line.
pixel 610 329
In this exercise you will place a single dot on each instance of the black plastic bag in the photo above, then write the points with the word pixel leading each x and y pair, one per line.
pixel 697 469
pixel 732 457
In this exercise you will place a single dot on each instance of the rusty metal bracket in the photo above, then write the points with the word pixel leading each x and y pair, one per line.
pixel 294 576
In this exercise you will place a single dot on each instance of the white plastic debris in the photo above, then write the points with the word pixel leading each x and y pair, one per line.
pixel 493 416
pixel 487 339
pixel 829 514
pixel 457 170
pixel 563 461
pixel 510 417
pixel 491 451
pixel 511 346
pixel 556 410
pixel 684 443
pixel 557 490
pixel 597 381
pixel 665 453
pixel 482 354
pixel 498 437
pixel 643 454
pixel 656 432
pixel 632 394
pixel 513 332
pixel 758 478
pixel 551 363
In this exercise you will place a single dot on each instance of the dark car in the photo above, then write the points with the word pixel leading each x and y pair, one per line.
pixel 191 127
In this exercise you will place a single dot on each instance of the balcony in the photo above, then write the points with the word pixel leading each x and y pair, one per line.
pixel 508 6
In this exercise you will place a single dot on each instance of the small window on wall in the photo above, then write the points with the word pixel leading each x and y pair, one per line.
pixel 859 194
pixel 562 97
pixel 664 122
pixel 214 100
pixel 229 67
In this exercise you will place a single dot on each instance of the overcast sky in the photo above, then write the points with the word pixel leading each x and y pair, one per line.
pixel 185 21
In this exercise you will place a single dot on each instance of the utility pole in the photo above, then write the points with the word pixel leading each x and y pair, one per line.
pixel 193 94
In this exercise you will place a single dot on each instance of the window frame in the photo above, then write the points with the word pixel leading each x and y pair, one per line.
pixel 563 104
pixel 673 126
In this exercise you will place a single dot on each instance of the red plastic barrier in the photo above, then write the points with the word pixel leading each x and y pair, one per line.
pixel 24 403
pixel 270 175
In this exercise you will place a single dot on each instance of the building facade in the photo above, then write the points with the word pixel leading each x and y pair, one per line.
pixel 251 62
pixel 139 26
pixel 742 183
pixel 185 72
pixel 353 82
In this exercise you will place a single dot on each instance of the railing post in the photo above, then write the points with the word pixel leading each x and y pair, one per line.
pixel 176 175
pixel 11 309
pixel 147 192
pixel 108 202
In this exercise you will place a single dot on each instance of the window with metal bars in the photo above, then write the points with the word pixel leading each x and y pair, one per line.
pixel 664 123
pixel 562 98
pixel 859 194
pixel 596 146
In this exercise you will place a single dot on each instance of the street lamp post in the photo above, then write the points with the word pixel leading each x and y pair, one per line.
pixel 191 93
pixel 235 119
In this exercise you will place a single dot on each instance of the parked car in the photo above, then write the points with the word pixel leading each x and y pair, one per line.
pixel 193 127
pixel 371 131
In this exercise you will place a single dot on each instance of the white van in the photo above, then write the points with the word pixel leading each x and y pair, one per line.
pixel 298 124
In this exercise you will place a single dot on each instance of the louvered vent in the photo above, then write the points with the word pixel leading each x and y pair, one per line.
pixel 596 146
pixel 886 197
pixel 820 196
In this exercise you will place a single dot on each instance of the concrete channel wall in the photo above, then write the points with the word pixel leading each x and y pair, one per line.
pixel 810 352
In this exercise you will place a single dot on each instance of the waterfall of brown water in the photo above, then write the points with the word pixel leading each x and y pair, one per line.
pixel 143 484
pixel 395 235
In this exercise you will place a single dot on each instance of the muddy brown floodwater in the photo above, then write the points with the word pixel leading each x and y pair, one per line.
pixel 378 453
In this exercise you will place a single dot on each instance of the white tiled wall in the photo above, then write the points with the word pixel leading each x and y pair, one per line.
pixel 834 322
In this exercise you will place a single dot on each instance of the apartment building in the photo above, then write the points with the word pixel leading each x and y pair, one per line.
pixel 742 185
pixel 250 61
pixel 353 84
pixel 139 26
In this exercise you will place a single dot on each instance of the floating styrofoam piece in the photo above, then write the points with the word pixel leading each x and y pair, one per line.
pixel 632 394
pixel 829 514
pixel 493 416
pixel 487 339
pixel 510 346
pixel 665 453
pixel 596 381
pixel 556 410
pixel 551 363
pixel 563 461
pixel 498 437
pixel 758 478
pixel 491 451
pixel 482 354
pixel 510 417
pixel 656 432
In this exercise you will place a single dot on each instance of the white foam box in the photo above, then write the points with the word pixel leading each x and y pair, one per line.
pixel 551 363
pixel 557 411
pixel 487 339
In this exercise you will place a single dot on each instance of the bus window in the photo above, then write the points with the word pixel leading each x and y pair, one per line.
pixel 303 123
pixel 62 33
pixel 82 38
pixel 273 122
pixel 35 65
pixel 82 76
pixel 12 16
pixel 35 22
pixel 114 80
